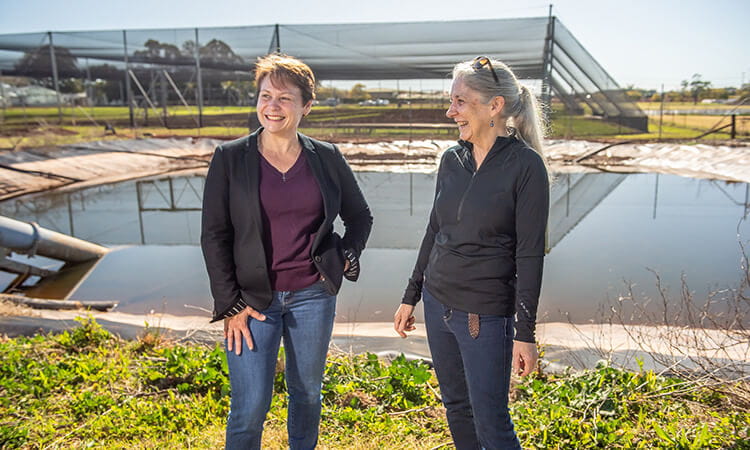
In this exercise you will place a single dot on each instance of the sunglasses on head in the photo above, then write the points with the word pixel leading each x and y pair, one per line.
pixel 481 61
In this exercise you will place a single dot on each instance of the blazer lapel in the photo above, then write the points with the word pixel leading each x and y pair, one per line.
pixel 316 165
pixel 252 163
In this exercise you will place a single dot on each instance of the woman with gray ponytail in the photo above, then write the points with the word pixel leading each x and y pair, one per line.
pixel 479 268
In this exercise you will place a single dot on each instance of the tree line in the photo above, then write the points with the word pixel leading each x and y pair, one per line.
pixel 693 89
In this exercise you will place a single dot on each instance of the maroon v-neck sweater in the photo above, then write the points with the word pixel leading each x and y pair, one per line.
pixel 292 211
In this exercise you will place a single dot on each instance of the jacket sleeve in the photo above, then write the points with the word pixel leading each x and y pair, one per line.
pixel 413 292
pixel 355 214
pixel 532 211
pixel 217 240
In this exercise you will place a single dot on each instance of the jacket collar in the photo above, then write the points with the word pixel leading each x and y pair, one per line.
pixel 466 152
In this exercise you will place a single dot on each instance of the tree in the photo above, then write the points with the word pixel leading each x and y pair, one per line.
pixel 71 85
pixel 238 92
pixel 696 85
pixel 218 52
pixel 215 54
pixel 37 63
pixel 359 93
pixel 158 52
pixel 106 72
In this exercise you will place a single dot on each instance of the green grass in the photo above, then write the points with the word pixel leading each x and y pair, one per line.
pixel 329 117
pixel 671 132
pixel 580 127
pixel 85 388
pixel 655 106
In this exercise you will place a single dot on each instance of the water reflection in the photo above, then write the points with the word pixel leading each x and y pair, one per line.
pixel 606 232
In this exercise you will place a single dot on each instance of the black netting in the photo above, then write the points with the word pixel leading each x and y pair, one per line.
pixel 374 51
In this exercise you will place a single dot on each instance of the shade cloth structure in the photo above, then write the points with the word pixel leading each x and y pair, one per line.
pixel 537 48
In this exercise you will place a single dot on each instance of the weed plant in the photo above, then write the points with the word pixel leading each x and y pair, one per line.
pixel 88 388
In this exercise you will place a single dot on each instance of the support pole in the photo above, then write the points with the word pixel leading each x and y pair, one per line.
pixel 53 60
pixel 182 99
pixel 2 98
pixel 277 37
pixel 656 196
pixel 200 79
pixel 661 110
pixel 128 93
pixel 163 85
pixel 549 44
pixel 140 211
pixel 89 87
pixel 145 95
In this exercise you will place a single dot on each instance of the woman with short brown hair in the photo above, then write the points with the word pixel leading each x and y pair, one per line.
pixel 274 262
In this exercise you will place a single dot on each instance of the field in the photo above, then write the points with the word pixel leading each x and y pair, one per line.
pixel 668 106
pixel 42 126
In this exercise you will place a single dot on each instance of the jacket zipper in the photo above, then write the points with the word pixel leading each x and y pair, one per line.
pixel 463 197
pixel 471 182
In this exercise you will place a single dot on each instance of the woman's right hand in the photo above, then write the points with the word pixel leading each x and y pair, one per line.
pixel 235 328
pixel 403 320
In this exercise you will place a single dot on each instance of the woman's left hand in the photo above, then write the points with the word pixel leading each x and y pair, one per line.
pixel 525 356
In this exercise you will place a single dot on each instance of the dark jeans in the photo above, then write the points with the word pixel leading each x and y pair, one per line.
pixel 304 320
pixel 474 375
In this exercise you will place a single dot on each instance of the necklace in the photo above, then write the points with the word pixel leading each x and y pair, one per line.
pixel 281 161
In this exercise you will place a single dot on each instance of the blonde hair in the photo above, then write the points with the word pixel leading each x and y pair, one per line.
pixel 521 108
pixel 286 69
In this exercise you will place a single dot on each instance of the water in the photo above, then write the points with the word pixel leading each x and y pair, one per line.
pixel 606 232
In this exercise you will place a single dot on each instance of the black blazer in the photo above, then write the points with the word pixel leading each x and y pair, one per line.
pixel 232 230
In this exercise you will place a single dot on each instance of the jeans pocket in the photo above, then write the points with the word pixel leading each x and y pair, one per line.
pixel 447 313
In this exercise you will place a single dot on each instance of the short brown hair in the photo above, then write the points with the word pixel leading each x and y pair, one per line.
pixel 287 70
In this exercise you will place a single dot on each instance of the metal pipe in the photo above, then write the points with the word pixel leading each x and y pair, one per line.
pixel 30 238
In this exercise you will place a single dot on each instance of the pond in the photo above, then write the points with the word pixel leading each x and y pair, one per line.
pixel 610 236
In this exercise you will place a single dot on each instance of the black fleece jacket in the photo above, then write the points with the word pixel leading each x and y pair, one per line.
pixel 484 247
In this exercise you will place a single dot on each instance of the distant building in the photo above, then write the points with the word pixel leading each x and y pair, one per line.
pixel 37 96
pixel 4 92
pixel 389 94
pixel 32 96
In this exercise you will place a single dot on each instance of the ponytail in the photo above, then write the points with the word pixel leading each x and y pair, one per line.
pixel 527 121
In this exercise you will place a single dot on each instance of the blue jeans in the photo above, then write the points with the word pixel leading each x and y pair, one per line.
pixel 304 319
pixel 474 375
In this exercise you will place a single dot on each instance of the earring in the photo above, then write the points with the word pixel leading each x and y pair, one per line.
pixel 492 123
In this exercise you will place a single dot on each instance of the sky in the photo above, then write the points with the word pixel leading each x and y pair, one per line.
pixel 645 43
